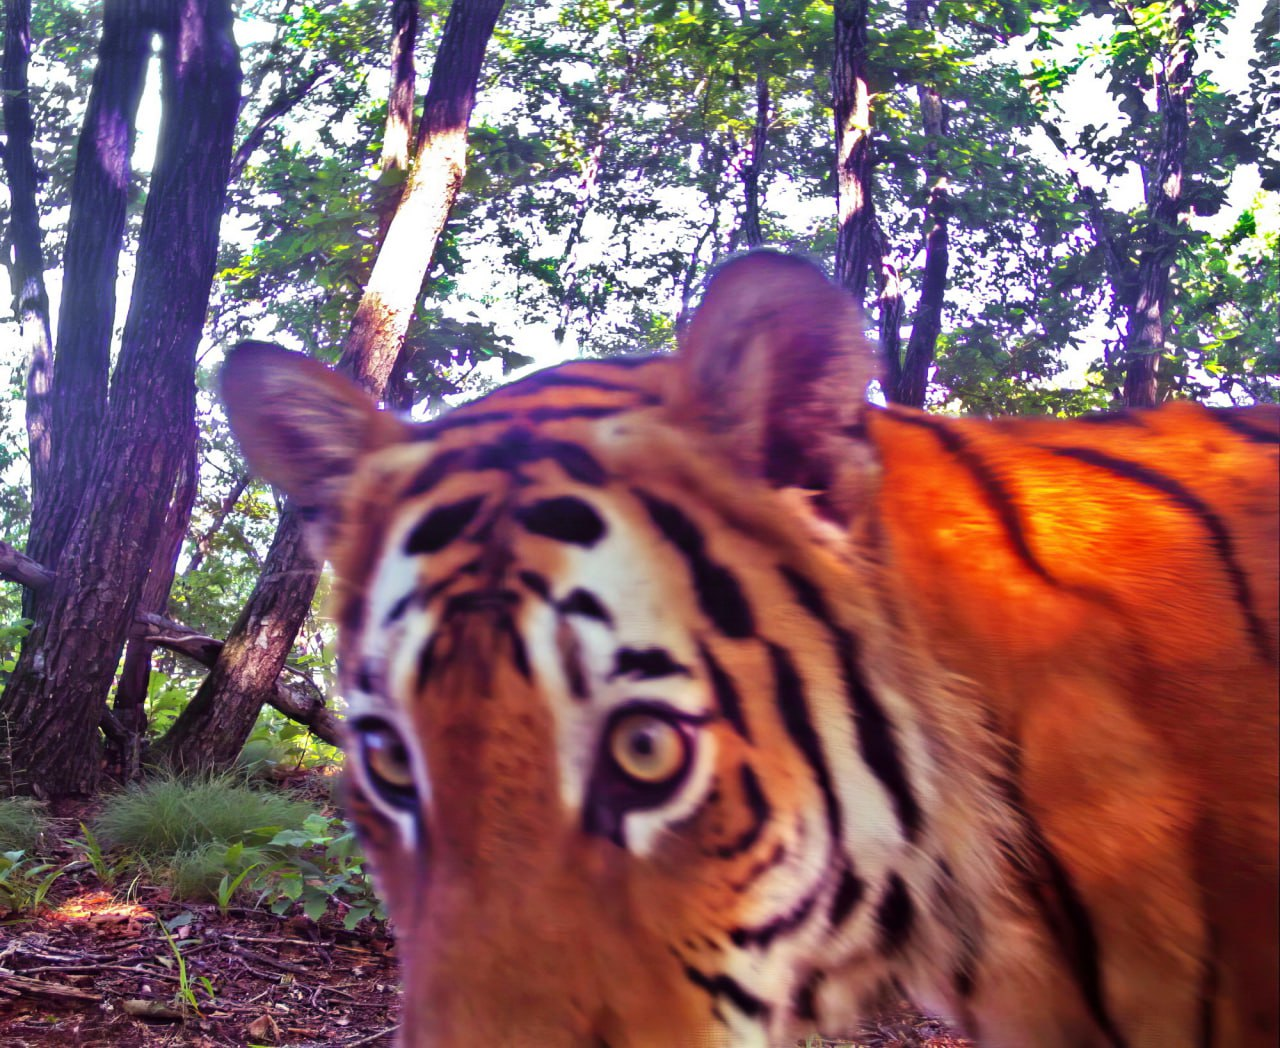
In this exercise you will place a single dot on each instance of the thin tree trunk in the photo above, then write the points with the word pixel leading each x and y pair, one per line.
pixel 285 100
pixel 1145 334
pixel 27 269
pixel 213 729
pixel 751 171
pixel 99 195
pixel 135 673
pixel 397 139
pixel 922 347
pixel 855 211
pixel 204 541
pixel 889 292
pixel 440 161
pixel 57 695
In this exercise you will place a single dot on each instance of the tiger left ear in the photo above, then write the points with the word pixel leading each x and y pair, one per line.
pixel 774 365
pixel 303 428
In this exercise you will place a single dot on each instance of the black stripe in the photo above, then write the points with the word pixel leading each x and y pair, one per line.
pixel 998 497
pixel 536 583
pixel 1242 422
pixel 720 985
pixel 441 526
pixel 719 593
pixel 557 378
pixel 564 518
pixel 519 654
pixel 877 742
pixel 794 709
pixel 574 459
pixel 646 664
pixel 848 894
pixel 804 1002
pixel 459 419
pixel 400 607
pixel 895 915
pixel 1223 544
pixel 766 933
pixel 726 694
pixel 426 659
pixel 1056 897
pixel 581 602
pixel 761 812
pixel 434 471
pixel 554 414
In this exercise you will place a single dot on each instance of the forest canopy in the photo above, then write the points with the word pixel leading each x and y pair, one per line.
pixel 1041 209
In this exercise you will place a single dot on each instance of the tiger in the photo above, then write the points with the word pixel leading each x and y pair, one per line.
pixel 697 700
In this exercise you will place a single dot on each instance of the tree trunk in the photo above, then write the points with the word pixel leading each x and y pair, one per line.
pixel 99 194
pixel 57 694
pixel 440 161
pixel 922 347
pixel 212 730
pixel 27 268
pixel 135 673
pixel 1144 337
pixel 752 232
pixel 855 211
pixel 397 139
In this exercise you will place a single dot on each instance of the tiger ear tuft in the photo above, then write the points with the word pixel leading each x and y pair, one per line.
pixel 302 427
pixel 775 365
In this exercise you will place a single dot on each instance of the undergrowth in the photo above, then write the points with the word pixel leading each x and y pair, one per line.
pixel 22 824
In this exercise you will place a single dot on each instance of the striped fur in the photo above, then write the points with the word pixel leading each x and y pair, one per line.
pixel 695 703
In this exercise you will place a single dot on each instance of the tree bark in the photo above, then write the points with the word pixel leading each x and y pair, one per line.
pixel 135 673
pixel 99 195
pixel 1145 334
pixel 27 269
pixel 56 696
pixel 855 210
pixel 922 347
pixel 397 139
pixel 212 730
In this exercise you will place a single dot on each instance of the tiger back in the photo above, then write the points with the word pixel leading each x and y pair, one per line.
pixel 694 701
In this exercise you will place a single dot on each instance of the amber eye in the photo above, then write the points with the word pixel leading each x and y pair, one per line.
pixel 386 761
pixel 647 748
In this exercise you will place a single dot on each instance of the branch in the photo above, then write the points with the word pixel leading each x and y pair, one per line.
pixel 18 567
pixel 302 702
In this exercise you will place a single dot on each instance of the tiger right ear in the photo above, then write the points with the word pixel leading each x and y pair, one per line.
pixel 302 427
pixel 775 366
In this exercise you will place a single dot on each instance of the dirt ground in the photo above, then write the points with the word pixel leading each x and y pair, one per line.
pixel 94 969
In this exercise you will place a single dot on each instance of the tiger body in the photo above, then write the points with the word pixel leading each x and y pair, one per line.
pixel 696 703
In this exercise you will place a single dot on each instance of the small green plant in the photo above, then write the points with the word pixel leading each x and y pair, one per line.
pixel 186 993
pixel 24 882
pixel 22 824
pixel 106 870
pixel 322 864
pixel 216 870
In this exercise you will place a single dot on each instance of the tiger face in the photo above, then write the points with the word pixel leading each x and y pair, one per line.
pixel 676 720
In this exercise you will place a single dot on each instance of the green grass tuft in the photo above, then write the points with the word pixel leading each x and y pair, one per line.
pixel 168 815
pixel 22 824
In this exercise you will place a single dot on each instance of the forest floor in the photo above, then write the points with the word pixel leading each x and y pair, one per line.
pixel 95 969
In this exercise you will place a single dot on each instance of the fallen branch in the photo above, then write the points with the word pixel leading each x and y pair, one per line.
pixel 302 702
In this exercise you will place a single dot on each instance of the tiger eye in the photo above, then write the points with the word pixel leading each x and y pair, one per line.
pixel 647 748
pixel 386 758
